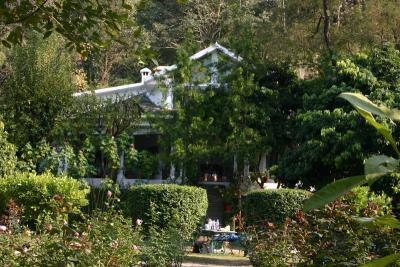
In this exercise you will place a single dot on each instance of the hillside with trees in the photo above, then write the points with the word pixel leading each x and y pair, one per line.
pixel 300 95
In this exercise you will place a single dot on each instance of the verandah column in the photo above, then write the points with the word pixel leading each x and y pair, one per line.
pixel 262 167
pixel 246 168
pixel 120 175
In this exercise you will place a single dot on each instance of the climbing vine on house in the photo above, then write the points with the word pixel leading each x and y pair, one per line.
pixel 218 121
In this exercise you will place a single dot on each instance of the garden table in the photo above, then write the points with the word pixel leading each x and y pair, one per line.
pixel 218 236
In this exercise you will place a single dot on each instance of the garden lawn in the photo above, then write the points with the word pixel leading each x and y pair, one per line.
pixel 200 260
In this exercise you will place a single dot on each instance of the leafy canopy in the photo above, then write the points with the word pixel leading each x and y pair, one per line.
pixel 375 167
pixel 85 24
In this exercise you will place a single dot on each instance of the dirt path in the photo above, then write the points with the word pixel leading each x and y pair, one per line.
pixel 202 260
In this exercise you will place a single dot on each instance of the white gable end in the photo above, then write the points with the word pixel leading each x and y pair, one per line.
pixel 148 84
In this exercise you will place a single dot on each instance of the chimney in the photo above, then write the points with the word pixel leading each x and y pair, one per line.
pixel 146 74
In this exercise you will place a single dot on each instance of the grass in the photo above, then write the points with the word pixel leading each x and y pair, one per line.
pixel 213 259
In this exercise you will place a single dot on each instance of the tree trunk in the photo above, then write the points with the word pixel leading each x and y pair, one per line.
pixel 327 25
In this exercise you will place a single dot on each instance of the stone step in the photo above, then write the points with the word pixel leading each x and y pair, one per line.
pixel 215 205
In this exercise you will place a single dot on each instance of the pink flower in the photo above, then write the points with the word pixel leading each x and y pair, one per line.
pixel 75 245
pixel 134 247
pixel 3 228
pixel 109 194
pixel 114 244
pixel 76 234
pixel 139 222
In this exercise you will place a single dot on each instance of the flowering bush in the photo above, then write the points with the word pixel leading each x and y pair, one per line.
pixel 103 239
pixel 326 237
pixel 102 196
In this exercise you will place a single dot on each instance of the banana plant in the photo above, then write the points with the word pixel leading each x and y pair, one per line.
pixel 375 167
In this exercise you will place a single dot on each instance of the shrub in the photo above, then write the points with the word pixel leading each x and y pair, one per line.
pixel 104 239
pixel 98 196
pixel 8 159
pixel 365 203
pixel 273 205
pixel 168 206
pixel 325 237
pixel 163 248
pixel 40 194
pixel 390 185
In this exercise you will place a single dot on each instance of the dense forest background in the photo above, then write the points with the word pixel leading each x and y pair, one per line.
pixel 302 54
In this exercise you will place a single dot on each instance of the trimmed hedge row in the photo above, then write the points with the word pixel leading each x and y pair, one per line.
pixel 37 193
pixel 273 205
pixel 168 206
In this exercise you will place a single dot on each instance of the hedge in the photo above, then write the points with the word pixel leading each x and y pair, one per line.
pixel 273 205
pixel 37 194
pixel 168 206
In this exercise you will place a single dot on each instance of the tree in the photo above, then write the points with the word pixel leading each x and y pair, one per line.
pixel 36 89
pixel 329 141
pixel 120 62
pixel 85 24
pixel 295 31
pixel 375 167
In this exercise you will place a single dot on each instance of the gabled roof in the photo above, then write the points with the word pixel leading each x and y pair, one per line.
pixel 122 89
pixel 208 51
pixel 214 47
pixel 147 86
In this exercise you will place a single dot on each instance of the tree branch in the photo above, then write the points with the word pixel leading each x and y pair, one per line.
pixel 318 25
pixel 28 15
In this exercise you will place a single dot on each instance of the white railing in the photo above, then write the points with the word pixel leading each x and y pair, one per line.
pixel 125 183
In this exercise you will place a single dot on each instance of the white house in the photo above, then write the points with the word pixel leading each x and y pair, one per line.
pixel 158 98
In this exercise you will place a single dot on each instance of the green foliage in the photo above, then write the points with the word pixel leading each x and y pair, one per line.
pixel 329 140
pixel 163 248
pixel 271 30
pixel 31 157
pixel 103 197
pixel 99 131
pixel 360 200
pixel 389 185
pixel 104 239
pixel 329 236
pixel 216 122
pixel 57 160
pixel 112 117
pixel 109 149
pixel 37 89
pixel 39 194
pixel 168 207
pixel 87 25
pixel 8 159
pixel 144 163
pixel 375 167
pixel 272 205
pixel 112 239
